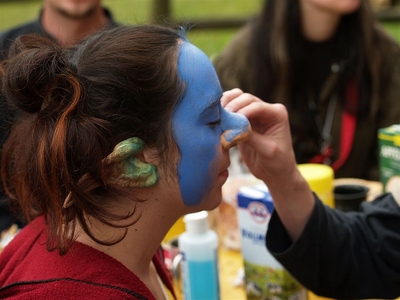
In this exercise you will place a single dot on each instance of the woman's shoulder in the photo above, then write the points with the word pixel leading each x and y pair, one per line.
pixel 26 264
pixel 238 45
pixel 244 34
pixel 69 288
pixel 387 43
pixel 232 64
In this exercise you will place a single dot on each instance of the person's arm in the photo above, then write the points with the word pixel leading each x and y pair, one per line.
pixel 341 255
pixel 269 156
pixel 335 254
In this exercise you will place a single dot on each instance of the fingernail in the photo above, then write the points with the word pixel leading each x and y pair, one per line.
pixel 228 108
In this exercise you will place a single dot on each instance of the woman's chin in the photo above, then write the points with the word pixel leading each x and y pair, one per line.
pixel 215 200
pixel 211 202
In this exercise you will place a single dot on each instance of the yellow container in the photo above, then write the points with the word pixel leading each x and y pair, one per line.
pixel 311 296
pixel 175 230
pixel 320 179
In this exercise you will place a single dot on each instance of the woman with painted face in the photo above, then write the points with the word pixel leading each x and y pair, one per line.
pixel 332 66
pixel 335 254
pixel 116 138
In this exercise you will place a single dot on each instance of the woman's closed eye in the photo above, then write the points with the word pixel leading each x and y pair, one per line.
pixel 214 123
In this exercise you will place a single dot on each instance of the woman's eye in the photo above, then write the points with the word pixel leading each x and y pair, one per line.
pixel 215 123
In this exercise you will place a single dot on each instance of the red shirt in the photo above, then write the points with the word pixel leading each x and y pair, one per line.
pixel 29 271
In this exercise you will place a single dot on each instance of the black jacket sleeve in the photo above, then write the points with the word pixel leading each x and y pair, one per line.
pixel 344 255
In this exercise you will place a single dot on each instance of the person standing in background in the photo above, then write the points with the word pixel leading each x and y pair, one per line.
pixel 64 21
pixel 332 66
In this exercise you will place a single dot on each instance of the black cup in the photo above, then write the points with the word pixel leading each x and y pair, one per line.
pixel 348 197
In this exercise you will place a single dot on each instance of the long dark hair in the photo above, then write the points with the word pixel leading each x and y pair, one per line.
pixel 74 106
pixel 274 50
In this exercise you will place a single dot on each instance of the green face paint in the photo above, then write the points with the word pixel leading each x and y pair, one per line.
pixel 125 170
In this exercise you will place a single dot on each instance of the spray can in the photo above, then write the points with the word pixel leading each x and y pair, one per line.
pixel 198 246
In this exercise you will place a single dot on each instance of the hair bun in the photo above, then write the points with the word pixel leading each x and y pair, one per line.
pixel 32 72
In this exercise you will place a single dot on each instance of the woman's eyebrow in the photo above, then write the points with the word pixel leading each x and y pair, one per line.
pixel 214 102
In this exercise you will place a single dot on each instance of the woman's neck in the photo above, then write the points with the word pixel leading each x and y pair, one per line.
pixel 135 250
pixel 150 224
pixel 317 24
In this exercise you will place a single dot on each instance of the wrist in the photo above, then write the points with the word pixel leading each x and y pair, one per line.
pixel 293 201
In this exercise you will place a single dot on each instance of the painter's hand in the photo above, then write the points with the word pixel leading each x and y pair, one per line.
pixel 269 156
pixel 268 153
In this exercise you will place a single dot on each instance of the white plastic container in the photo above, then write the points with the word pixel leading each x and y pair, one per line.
pixel 198 246
pixel 265 276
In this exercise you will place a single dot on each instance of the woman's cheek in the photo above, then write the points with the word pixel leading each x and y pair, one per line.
pixel 198 168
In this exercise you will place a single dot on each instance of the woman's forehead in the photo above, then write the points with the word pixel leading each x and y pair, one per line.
pixel 202 83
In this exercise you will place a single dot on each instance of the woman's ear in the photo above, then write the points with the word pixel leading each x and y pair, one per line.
pixel 127 165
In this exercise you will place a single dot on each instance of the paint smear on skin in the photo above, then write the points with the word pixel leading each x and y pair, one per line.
pixel 232 137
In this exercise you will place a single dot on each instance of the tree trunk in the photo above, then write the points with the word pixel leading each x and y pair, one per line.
pixel 161 11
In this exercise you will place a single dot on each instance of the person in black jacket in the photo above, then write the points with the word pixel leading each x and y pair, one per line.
pixel 335 254
pixel 66 22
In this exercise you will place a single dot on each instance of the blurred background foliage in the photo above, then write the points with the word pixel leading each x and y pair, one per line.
pixel 211 41
pixel 139 12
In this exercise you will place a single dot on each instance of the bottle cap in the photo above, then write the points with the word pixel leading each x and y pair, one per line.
pixel 196 223
pixel 320 179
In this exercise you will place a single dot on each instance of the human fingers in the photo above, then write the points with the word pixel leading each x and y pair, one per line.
pixel 229 95
pixel 261 112
pixel 237 101
pixel 268 156
pixel 263 146
pixel 234 100
pixel 265 118
pixel 271 138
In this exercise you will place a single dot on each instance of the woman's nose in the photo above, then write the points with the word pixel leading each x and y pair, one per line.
pixel 236 129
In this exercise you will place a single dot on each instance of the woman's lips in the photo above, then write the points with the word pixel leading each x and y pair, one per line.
pixel 224 173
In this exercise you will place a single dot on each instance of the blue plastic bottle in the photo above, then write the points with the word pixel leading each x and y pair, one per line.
pixel 198 246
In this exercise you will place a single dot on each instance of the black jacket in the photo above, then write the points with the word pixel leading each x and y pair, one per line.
pixel 341 255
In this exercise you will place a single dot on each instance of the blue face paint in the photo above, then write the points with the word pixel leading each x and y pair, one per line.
pixel 198 123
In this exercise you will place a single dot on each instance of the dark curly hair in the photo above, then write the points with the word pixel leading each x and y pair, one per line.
pixel 73 106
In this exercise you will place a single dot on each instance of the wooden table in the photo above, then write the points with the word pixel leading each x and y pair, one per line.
pixel 230 264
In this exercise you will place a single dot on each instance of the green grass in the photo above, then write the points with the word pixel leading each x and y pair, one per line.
pixel 15 12
pixel 211 42
pixel 393 29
